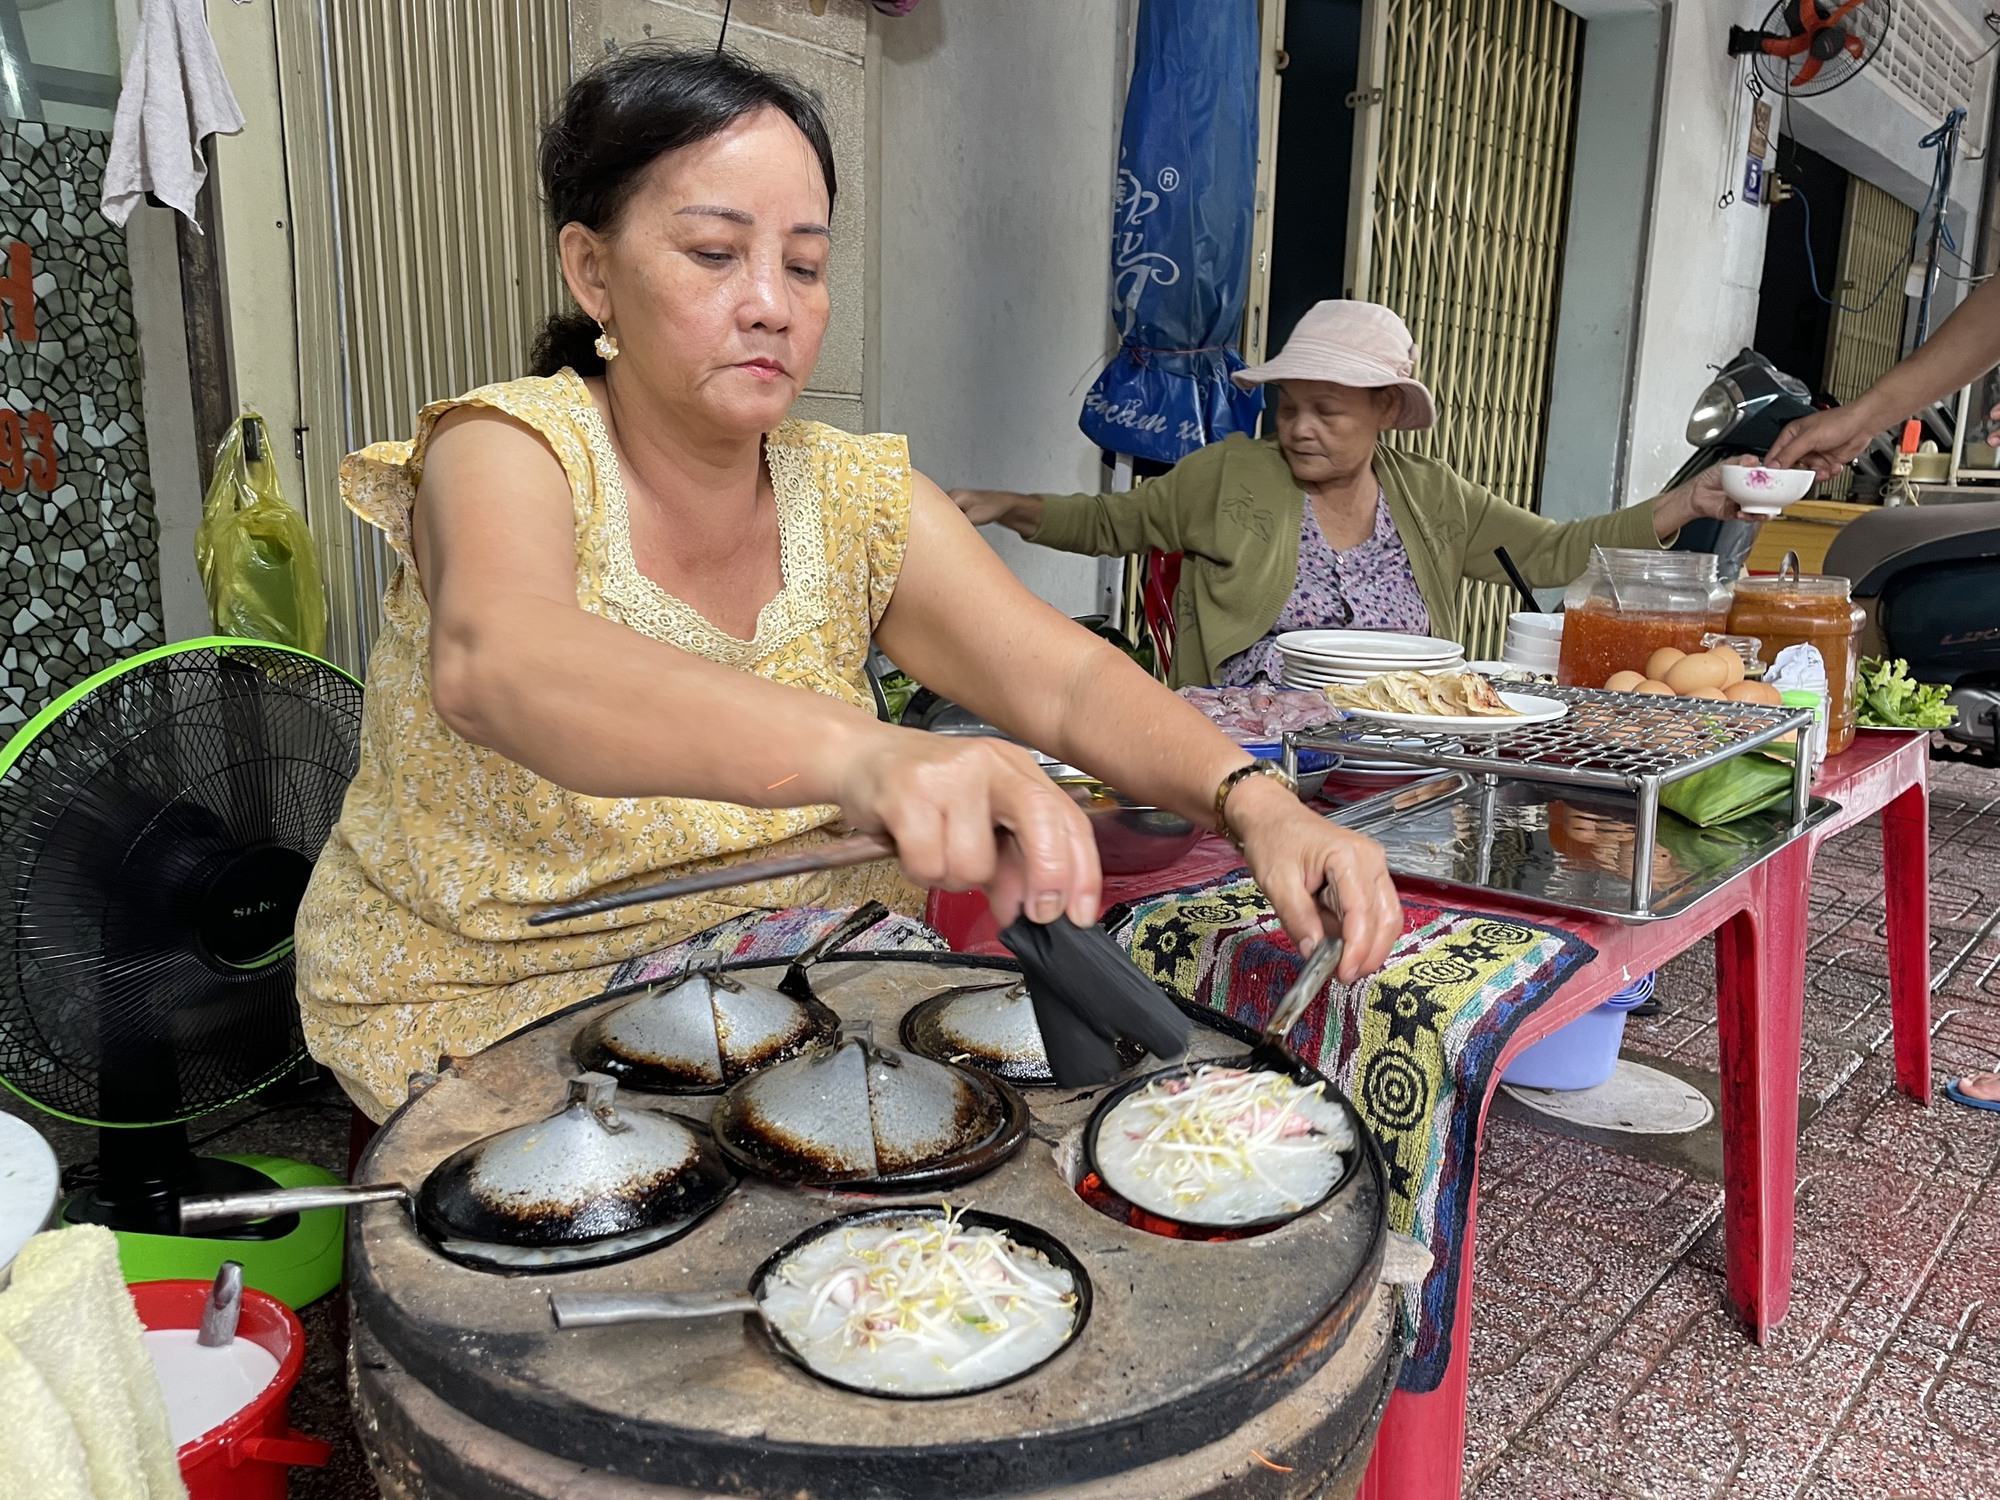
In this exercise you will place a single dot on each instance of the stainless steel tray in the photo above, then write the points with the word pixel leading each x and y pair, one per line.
pixel 1607 743
pixel 1570 849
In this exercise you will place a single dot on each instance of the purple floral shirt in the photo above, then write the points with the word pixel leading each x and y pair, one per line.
pixel 1367 587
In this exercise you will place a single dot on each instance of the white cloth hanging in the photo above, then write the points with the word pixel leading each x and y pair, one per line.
pixel 174 97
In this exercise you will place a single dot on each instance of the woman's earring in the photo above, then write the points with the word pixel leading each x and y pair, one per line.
pixel 607 344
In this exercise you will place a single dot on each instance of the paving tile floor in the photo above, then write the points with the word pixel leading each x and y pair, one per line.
pixel 1603 1361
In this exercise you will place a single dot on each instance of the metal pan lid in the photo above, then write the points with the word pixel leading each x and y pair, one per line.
pixel 991 1028
pixel 857 1115
pixel 700 1033
pixel 591 1172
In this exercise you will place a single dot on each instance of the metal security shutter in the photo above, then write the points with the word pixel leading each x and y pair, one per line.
pixel 423 264
pixel 1862 345
pixel 1466 208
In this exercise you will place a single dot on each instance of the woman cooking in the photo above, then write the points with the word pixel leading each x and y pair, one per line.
pixel 629 625
pixel 1324 527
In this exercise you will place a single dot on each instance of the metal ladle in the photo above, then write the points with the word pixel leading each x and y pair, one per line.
pixel 224 1307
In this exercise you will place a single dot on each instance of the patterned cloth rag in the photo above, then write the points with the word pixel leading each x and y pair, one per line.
pixel 777 934
pixel 1413 1046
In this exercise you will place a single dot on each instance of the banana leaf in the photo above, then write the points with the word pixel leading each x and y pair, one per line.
pixel 1735 789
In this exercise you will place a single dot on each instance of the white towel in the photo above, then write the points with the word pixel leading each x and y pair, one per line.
pixel 174 98
pixel 43 1456
pixel 68 1314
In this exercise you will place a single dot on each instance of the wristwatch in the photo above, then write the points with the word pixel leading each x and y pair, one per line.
pixel 1234 779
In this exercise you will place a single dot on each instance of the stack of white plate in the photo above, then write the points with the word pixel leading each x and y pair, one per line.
pixel 1534 642
pixel 1320 658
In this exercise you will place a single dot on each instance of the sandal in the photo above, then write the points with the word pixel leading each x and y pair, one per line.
pixel 1971 1101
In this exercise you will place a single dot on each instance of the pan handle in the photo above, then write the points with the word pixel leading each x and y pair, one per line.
pixel 593 1309
pixel 244 1208
pixel 851 927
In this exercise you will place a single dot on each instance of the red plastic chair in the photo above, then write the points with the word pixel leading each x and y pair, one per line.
pixel 1161 579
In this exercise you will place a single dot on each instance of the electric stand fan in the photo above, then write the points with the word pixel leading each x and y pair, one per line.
pixel 158 825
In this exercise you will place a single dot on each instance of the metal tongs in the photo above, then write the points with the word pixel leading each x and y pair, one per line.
pixel 866 848
pixel 1272 1051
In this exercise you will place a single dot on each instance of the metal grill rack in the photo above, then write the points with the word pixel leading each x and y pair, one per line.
pixel 1608 741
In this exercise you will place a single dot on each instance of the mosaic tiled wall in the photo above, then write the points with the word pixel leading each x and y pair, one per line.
pixel 79 549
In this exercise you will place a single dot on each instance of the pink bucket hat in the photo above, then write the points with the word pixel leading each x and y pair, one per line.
pixel 1361 344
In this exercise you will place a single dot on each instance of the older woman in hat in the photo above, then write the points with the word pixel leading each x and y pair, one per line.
pixel 1322 526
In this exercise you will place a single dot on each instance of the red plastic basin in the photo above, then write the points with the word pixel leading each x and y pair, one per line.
pixel 250 1455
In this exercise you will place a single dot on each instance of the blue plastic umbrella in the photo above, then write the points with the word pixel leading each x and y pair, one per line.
pixel 1180 244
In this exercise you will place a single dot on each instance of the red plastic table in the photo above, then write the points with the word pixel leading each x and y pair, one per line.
pixel 1758 920
pixel 1888 771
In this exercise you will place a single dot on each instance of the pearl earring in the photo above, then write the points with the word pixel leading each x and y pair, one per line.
pixel 607 344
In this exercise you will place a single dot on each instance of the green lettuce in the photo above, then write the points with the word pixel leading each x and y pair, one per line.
pixel 1887 697
pixel 898 688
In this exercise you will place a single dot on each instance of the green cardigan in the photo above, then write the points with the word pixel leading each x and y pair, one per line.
pixel 1234 509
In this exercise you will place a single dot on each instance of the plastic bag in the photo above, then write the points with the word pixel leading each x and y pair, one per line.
pixel 256 556
pixel 1799 675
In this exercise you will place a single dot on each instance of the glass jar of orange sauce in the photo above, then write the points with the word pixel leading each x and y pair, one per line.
pixel 1629 603
pixel 1808 610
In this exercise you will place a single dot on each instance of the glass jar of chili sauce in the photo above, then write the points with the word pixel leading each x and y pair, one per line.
pixel 1632 601
pixel 1808 610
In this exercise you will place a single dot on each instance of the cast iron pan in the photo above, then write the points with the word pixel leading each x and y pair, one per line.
pixel 1258 1061
pixel 521 1233
pixel 997 1130
pixel 593 1050
pixel 922 1033
pixel 593 1309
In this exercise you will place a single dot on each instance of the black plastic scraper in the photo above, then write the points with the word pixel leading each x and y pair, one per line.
pixel 1087 994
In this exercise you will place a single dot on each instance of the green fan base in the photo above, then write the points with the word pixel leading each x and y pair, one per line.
pixel 301 1267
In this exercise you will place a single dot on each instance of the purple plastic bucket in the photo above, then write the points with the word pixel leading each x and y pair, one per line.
pixel 1582 1054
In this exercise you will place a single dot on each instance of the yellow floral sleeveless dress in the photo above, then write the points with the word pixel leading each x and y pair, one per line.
pixel 413 939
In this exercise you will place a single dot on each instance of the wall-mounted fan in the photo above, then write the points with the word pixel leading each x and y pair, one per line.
pixel 1807 47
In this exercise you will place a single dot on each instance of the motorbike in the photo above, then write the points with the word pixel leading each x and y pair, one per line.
pixel 1929 576
pixel 1743 410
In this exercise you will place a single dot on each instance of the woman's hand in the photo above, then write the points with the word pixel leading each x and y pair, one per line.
pixel 1019 513
pixel 1701 496
pixel 976 814
pixel 1322 880
pixel 1828 441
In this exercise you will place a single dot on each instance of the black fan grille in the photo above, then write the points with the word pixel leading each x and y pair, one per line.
pixel 174 785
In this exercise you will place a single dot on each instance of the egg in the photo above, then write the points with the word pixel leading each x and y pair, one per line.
pixel 1713 694
pixel 1690 673
pixel 1661 661
pixel 1753 692
pixel 1654 689
pixel 1732 662
pixel 1623 682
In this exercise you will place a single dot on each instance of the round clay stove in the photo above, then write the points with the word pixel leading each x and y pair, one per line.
pixel 1254 1369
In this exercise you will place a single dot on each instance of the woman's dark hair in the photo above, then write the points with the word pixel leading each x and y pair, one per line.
pixel 622 116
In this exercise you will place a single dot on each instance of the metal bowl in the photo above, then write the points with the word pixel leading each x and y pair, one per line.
pixel 1132 838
